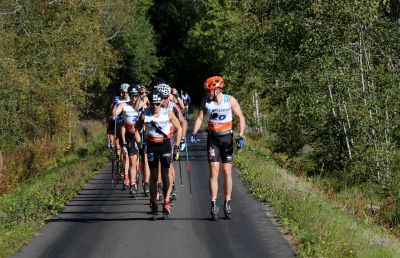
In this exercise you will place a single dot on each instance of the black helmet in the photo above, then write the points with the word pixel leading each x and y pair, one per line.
pixel 133 89
pixel 156 96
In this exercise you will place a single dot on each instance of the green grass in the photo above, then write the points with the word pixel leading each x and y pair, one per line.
pixel 22 211
pixel 321 227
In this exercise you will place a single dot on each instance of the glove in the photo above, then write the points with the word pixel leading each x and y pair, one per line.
pixel 239 142
pixel 193 139
pixel 182 145
pixel 109 145
pixel 125 148
pixel 176 153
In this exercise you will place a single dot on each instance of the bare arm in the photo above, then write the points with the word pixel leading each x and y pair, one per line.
pixel 177 125
pixel 238 112
pixel 123 130
pixel 199 117
pixel 180 103
pixel 139 123
pixel 118 109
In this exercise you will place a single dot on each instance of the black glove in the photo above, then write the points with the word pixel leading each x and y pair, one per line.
pixel 176 153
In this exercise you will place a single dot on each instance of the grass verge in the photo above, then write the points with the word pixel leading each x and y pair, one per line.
pixel 22 211
pixel 321 228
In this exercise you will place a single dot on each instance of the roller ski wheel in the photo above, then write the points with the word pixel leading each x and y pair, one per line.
pixel 214 211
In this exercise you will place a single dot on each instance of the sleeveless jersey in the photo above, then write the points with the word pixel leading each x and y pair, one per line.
pixel 130 115
pixel 219 115
pixel 176 110
pixel 163 123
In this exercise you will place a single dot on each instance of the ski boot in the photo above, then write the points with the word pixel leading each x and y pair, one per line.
pixel 133 190
pixel 146 189
pixel 214 210
pixel 173 194
pixel 227 210
pixel 166 209
pixel 126 183
pixel 154 210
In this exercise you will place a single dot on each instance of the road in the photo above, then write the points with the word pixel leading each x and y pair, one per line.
pixel 106 222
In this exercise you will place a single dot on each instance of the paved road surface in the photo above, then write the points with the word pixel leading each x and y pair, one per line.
pixel 106 222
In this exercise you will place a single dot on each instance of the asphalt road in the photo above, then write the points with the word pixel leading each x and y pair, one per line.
pixel 106 222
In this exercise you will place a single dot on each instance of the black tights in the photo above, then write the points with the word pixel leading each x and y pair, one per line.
pixel 165 177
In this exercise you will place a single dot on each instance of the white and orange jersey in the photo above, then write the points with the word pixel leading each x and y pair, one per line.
pixel 219 115
pixel 170 105
pixel 130 115
pixel 157 128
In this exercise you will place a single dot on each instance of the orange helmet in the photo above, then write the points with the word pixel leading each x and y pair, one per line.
pixel 213 83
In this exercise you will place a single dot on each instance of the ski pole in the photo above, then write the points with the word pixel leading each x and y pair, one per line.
pixel 188 167
pixel 180 169
pixel 114 150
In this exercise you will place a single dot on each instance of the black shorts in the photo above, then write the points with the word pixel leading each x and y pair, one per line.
pixel 132 145
pixel 220 147
pixel 159 153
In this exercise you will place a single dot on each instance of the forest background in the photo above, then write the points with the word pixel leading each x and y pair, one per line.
pixel 319 79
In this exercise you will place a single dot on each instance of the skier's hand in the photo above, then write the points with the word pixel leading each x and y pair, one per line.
pixel 109 144
pixel 182 145
pixel 193 139
pixel 125 148
pixel 239 142
pixel 176 153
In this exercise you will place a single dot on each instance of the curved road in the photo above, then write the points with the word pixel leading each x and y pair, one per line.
pixel 106 222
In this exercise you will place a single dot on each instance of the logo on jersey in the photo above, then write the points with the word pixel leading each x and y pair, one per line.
pixel 211 153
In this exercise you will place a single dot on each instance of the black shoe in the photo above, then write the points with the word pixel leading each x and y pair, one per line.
pixel 227 209
pixel 133 190
pixel 214 210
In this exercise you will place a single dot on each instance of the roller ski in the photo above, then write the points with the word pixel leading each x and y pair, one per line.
pixel 214 211
pixel 228 210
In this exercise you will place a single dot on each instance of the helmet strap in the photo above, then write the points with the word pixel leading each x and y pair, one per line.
pixel 215 95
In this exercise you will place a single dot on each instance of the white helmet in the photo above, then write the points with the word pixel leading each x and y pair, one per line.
pixel 164 89
pixel 124 87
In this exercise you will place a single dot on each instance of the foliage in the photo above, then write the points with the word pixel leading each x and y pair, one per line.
pixel 327 76
pixel 58 63
pixel 24 209
pixel 321 227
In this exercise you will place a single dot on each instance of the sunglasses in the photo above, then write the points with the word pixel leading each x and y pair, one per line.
pixel 157 104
